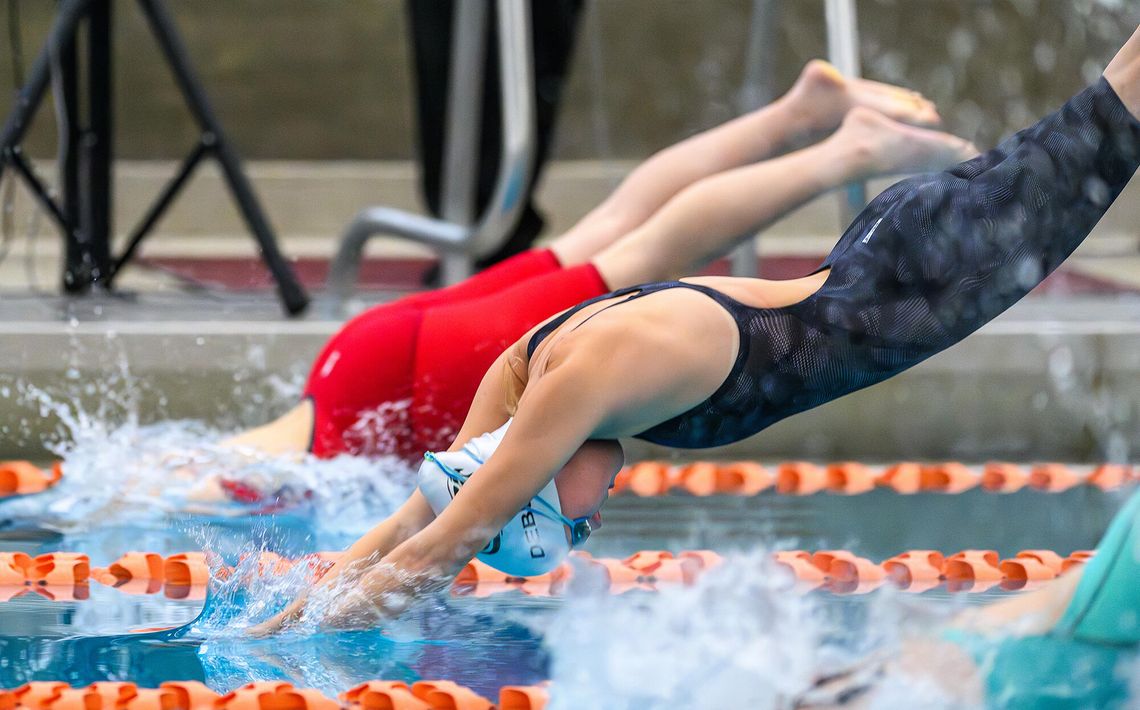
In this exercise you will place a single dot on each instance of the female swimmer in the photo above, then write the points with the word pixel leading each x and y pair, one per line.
pixel 399 378
pixel 708 361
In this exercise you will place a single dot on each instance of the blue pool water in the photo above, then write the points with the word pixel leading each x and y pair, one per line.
pixel 737 636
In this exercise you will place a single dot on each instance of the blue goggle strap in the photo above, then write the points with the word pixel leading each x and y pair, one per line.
pixel 551 512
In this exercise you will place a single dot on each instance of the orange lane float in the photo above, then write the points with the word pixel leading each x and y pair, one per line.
pixel 916 570
pixel 1002 477
pixel 186 569
pixel 850 574
pixel 36 694
pixel 843 572
pixel 1053 477
pixel 799 478
pixel 15 568
pixel 645 479
pixel 838 571
pixel 180 695
pixel 23 477
pixel 383 695
pixel 273 695
pixel 800 564
pixel 904 477
pixel 1109 476
pixel 1029 568
pixel 523 697
pixel 447 694
pixel 850 478
pixel 60 568
pixel 134 573
pixel 976 570
pixel 949 477
pixel 1076 558
pixel 704 478
pixel 269 695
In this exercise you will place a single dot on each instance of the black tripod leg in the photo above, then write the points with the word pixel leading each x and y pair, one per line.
pixel 29 98
pixel 78 269
pixel 60 47
pixel 292 294
pixel 97 146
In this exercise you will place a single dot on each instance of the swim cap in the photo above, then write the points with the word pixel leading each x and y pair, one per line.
pixel 534 541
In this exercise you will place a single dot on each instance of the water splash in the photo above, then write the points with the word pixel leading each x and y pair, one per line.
pixel 738 638
pixel 118 471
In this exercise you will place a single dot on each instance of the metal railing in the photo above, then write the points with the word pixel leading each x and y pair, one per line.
pixel 842 51
pixel 460 236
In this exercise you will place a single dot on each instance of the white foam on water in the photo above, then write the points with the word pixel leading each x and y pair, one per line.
pixel 118 471
pixel 739 637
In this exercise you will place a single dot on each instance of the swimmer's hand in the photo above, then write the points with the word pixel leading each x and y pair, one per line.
pixel 281 621
pixel 381 592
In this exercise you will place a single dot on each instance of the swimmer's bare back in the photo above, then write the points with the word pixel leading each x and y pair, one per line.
pixel 668 352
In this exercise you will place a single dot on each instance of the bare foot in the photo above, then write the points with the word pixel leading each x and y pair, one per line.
pixel 886 147
pixel 824 96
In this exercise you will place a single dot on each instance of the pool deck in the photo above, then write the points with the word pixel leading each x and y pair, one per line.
pixel 197 333
pixel 1055 377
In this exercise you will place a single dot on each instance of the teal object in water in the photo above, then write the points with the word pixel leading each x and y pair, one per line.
pixel 1085 662
pixel 1047 672
pixel 1106 605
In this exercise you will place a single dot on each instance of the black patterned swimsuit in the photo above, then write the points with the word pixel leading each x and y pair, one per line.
pixel 929 261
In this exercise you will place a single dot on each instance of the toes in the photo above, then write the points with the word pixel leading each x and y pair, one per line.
pixel 822 71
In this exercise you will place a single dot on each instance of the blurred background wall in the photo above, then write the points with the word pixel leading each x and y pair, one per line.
pixel 329 79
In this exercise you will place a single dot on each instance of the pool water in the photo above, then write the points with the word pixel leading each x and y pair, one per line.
pixel 738 633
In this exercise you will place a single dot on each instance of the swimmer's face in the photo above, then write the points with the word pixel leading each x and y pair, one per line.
pixel 584 482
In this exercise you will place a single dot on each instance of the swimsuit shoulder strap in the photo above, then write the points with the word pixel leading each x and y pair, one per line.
pixel 630 293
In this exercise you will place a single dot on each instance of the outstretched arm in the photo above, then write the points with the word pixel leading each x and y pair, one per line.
pixel 601 387
pixel 556 414
pixel 410 518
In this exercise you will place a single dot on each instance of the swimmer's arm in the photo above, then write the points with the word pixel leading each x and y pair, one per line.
pixel 607 388
pixel 410 518
pixel 588 395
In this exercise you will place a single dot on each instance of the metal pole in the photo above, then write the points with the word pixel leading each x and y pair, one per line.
pixel 759 62
pixel 464 111
pixel 77 267
pixel 98 140
pixel 464 125
pixel 843 51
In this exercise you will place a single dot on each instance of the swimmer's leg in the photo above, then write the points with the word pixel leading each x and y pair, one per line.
pixel 935 257
pixel 707 218
pixel 814 106
pixel 288 434
pixel 1123 73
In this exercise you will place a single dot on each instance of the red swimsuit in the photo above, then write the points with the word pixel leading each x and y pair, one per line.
pixel 399 378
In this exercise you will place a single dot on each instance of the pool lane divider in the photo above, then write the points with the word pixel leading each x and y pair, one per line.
pixel 800 478
pixel 66 576
pixel 796 478
pixel 843 572
pixel 269 695
pixel 23 478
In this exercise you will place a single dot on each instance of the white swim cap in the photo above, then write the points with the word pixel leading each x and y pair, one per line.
pixel 535 541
